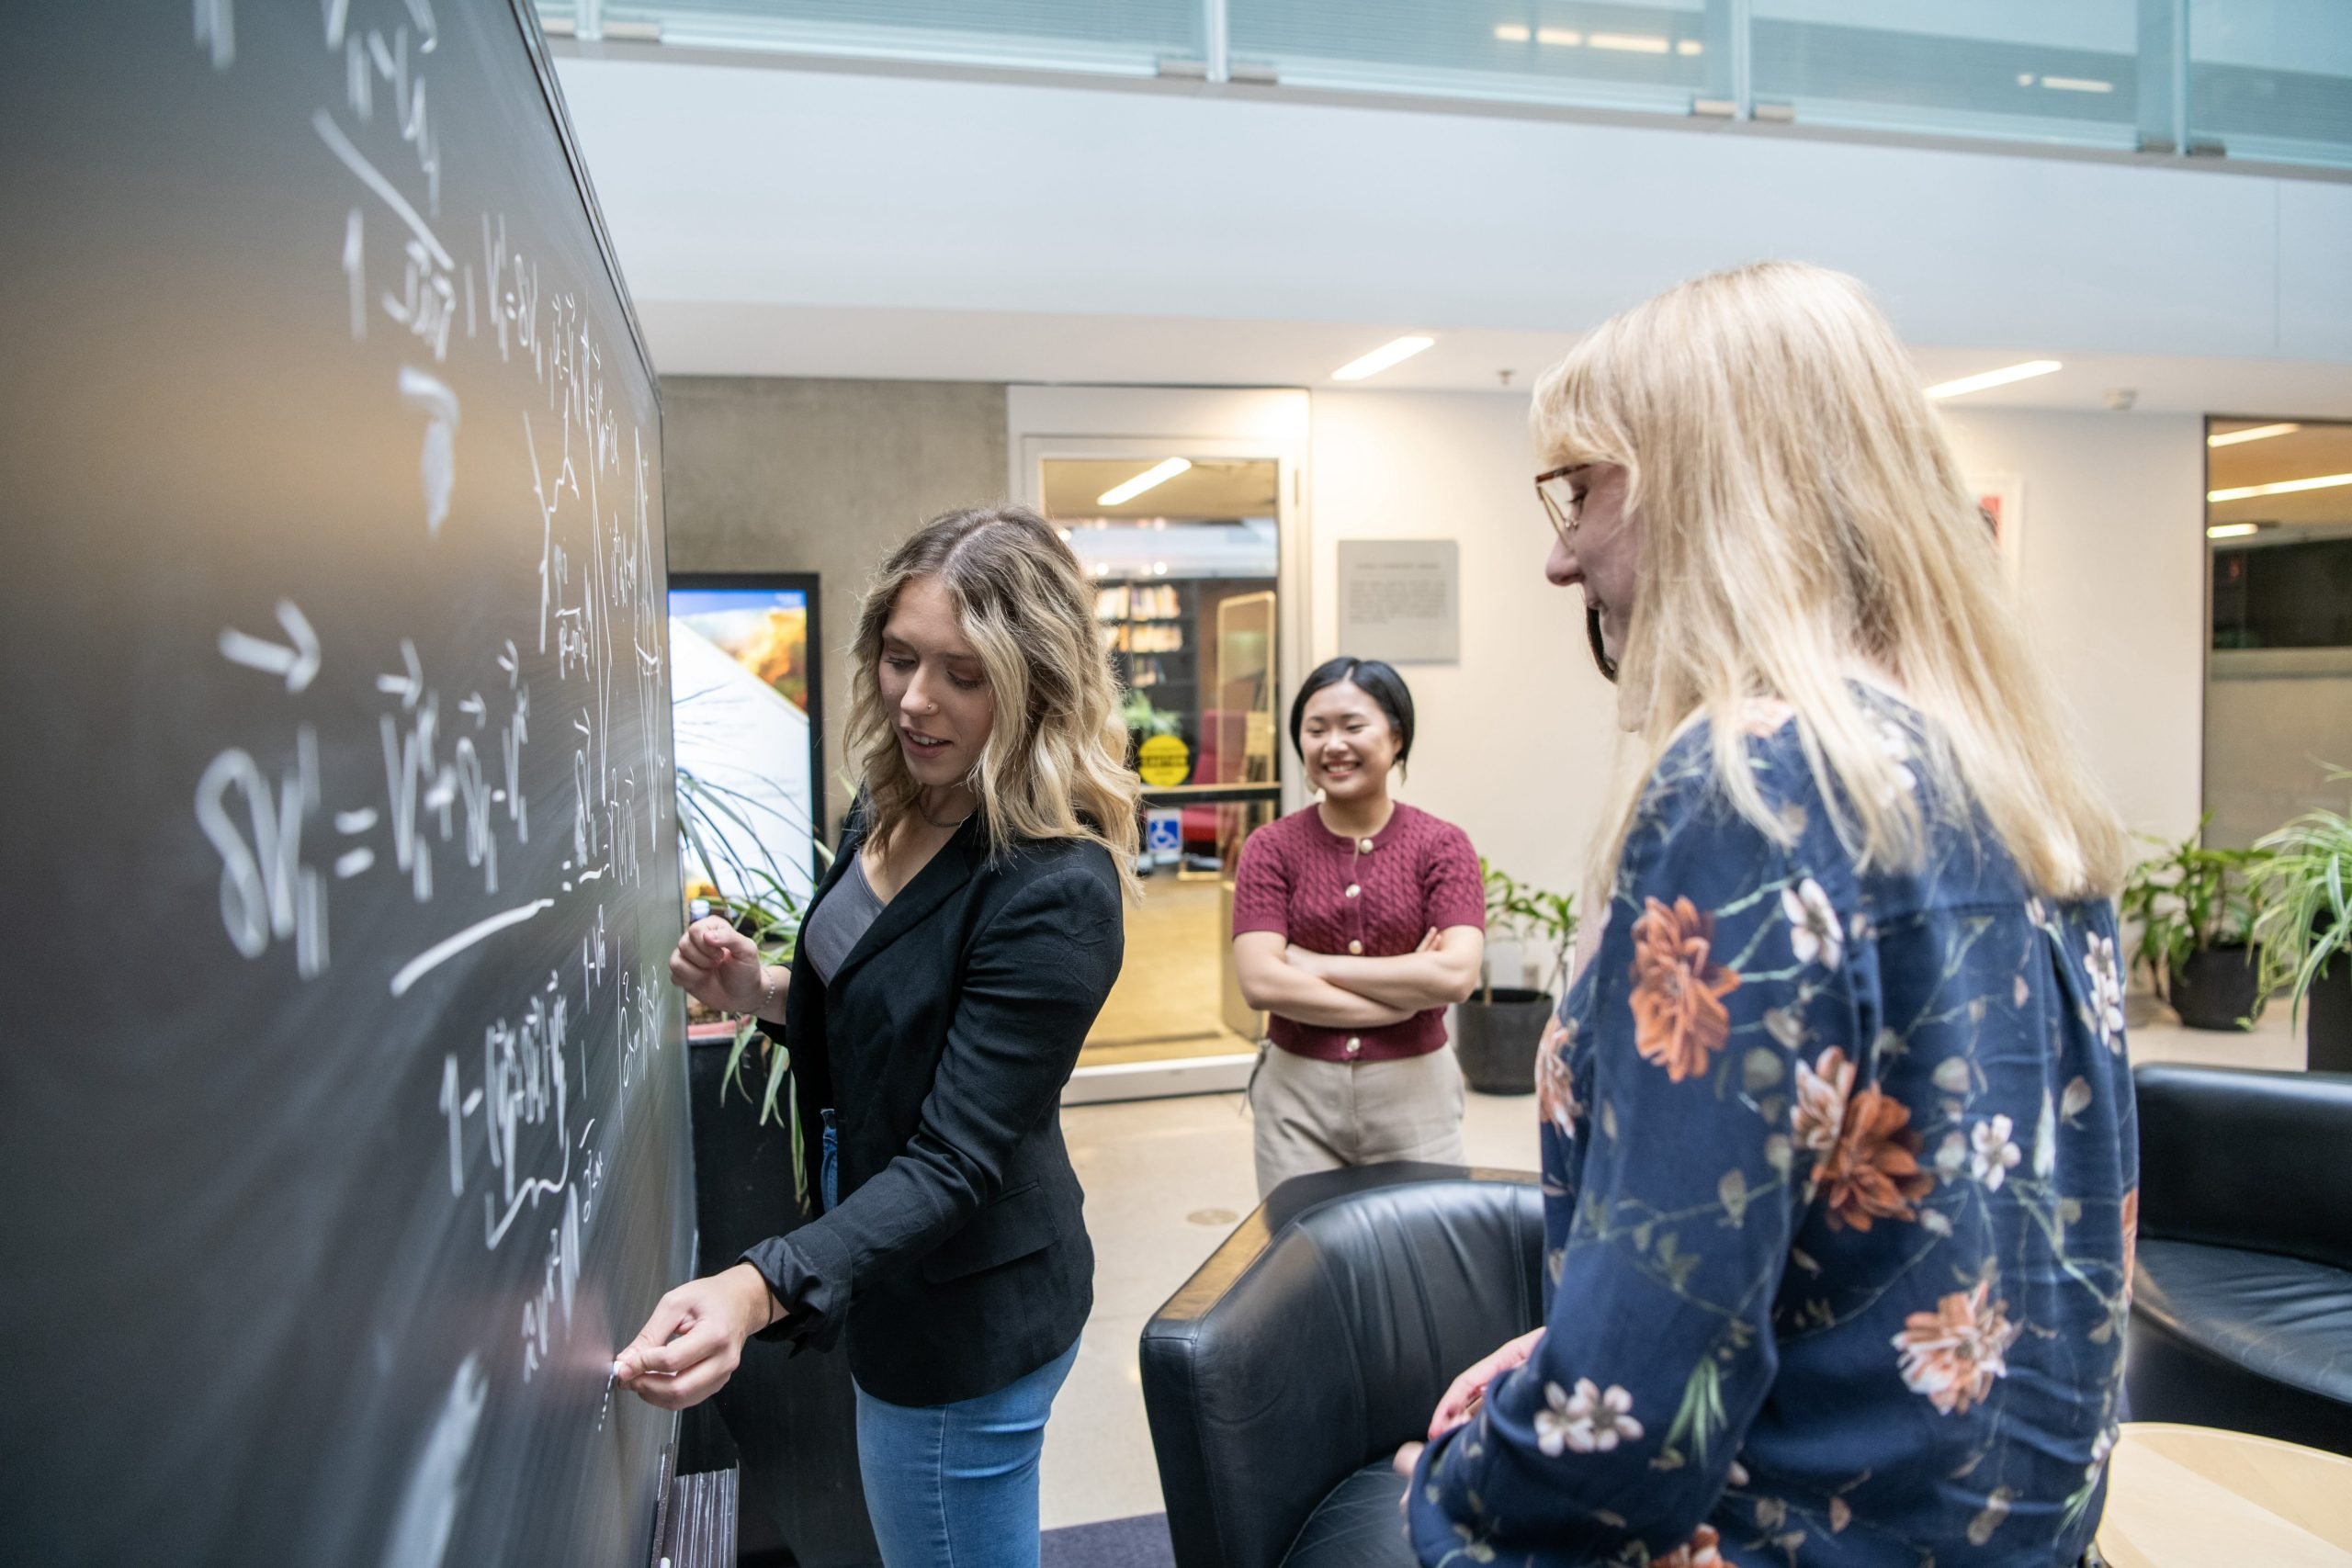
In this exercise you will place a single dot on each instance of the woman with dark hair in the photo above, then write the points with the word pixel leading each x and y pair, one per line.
pixel 947 972
pixel 1355 923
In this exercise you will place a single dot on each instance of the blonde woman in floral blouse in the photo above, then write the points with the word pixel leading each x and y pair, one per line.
pixel 1839 1148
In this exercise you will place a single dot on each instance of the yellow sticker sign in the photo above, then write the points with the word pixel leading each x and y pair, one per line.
pixel 1164 761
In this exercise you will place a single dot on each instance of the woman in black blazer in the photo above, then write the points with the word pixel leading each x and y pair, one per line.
pixel 947 972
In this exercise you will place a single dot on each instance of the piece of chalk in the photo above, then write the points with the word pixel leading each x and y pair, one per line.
pixel 619 1370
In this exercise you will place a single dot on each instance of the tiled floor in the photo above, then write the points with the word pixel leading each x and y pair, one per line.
pixel 1166 1179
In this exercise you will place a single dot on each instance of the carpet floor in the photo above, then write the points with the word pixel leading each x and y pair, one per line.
pixel 1138 1542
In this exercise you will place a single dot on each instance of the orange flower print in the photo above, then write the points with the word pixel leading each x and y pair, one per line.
pixel 2130 1238
pixel 1555 1089
pixel 1872 1172
pixel 1703 1549
pixel 1819 1113
pixel 1953 1353
pixel 1679 1016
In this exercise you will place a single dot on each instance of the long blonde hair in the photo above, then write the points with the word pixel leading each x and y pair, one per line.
pixel 1055 763
pixel 1802 517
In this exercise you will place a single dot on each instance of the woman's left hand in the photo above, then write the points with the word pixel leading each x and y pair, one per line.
pixel 692 1344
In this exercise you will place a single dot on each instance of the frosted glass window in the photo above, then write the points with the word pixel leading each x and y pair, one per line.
pixel 1658 55
pixel 2272 79
pixel 2023 70
pixel 1124 35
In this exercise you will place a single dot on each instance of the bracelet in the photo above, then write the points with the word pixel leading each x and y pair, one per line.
pixel 767 989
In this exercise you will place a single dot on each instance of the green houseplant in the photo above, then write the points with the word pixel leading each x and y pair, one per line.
pixel 2305 928
pixel 1500 1027
pixel 2195 910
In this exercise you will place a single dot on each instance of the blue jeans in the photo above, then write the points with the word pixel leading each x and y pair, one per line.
pixel 956 1486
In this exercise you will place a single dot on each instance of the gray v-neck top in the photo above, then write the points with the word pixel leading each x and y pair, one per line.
pixel 841 920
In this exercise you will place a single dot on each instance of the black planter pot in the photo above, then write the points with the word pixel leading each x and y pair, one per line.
pixel 2217 989
pixel 2327 1007
pixel 792 1419
pixel 1496 1040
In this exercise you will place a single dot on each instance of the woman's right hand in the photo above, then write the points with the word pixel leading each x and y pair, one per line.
pixel 1462 1400
pixel 716 965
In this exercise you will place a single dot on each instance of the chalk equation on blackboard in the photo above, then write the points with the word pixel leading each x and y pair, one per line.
pixel 445 823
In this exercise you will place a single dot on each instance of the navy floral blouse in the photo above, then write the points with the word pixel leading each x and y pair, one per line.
pixel 1841 1176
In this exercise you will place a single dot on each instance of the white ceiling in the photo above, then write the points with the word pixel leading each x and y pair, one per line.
pixel 998 346
pixel 777 221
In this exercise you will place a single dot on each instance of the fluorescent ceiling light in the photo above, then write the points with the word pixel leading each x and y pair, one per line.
pixel 1631 43
pixel 2233 530
pixel 1968 384
pixel 1157 474
pixel 1381 359
pixel 2284 487
pixel 1510 32
pixel 2077 85
pixel 2259 433
pixel 1560 38
pixel 1689 46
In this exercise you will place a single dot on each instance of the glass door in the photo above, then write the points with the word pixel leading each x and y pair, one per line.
pixel 1185 554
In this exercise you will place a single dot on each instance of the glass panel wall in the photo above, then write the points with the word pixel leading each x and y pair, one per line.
pixel 2272 79
pixel 1120 36
pixel 2021 69
pixel 1653 54
pixel 2268 80
pixel 2278 672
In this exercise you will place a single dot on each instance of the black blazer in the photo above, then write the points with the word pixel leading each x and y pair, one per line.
pixel 958 1257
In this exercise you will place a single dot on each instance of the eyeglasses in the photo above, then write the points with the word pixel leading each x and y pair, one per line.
pixel 1563 500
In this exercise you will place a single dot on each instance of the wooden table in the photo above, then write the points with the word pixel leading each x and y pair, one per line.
pixel 2194 1496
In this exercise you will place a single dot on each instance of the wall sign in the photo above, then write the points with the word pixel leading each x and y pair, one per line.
pixel 1401 600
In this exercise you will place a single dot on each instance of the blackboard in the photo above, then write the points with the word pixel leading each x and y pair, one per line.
pixel 343 1119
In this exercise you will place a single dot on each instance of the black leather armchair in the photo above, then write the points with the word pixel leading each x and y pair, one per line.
pixel 2242 1310
pixel 1282 1378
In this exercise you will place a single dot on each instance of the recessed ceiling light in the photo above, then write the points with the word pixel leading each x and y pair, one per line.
pixel 1689 46
pixel 1560 38
pixel 2284 487
pixel 2077 85
pixel 2233 530
pixel 1157 474
pixel 1510 32
pixel 1381 359
pixel 2259 433
pixel 1967 384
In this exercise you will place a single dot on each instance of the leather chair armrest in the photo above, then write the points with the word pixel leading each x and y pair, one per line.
pixel 2235 1158
pixel 1320 1335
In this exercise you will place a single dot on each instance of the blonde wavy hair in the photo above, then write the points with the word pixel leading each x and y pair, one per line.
pixel 1801 521
pixel 1055 763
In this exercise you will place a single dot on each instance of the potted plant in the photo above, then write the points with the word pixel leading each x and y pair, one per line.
pixel 2196 909
pixel 1500 1027
pixel 2305 928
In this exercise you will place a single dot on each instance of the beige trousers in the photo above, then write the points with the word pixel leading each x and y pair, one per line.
pixel 1316 1115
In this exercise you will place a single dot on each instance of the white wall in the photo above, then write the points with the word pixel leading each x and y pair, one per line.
pixel 2114 582
pixel 1517 741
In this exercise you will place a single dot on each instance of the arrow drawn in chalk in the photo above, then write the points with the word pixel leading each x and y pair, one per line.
pixel 407 687
pixel 298 664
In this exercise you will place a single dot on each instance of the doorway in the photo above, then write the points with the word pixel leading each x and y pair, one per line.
pixel 1185 556
pixel 2278 659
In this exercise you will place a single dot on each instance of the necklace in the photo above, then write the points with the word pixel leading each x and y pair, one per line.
pixel 934 821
